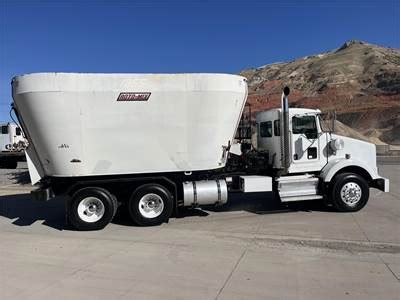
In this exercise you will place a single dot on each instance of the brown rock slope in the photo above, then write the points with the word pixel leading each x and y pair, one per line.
pixel 360 81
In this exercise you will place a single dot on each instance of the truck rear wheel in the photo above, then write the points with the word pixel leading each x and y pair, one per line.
pixel 91 208
pixel 150 204
pixel 350 192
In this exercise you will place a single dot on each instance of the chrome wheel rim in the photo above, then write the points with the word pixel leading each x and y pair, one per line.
pixel 91 209
pixel 351 193
pixel 151 206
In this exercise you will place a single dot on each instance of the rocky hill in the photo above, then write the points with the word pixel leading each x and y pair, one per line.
pixel 360 81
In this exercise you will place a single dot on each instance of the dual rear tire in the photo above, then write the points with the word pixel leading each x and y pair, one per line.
pixel 92 208
pixel 150 205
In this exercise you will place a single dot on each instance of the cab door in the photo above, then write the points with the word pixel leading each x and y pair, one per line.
pixel 307 140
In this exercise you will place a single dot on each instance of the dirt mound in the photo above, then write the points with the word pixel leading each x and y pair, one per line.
pixel 344 130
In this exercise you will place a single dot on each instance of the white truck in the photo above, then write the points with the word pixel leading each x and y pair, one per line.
pixel 158 142
pixel 12 145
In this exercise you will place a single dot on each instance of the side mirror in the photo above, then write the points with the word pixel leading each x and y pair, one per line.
pixel 333 121
pixel 328 121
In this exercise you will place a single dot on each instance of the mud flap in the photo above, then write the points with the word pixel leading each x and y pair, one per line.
pixel 34 173
pixel 382 184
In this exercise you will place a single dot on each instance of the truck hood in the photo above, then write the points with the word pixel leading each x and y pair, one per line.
pixel 357 149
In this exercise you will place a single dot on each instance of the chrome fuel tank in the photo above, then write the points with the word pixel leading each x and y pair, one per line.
pixel 205 192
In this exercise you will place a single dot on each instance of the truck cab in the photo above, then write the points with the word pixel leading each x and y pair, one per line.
pixel 12 145
pixel 307 139
pixel 10 136
pixel 317 162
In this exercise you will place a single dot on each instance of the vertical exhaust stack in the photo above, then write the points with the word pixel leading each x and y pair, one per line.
pixel 285 139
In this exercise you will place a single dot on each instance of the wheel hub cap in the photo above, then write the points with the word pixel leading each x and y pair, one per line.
pixel 351 193
pixel 91 209
pixel 151 206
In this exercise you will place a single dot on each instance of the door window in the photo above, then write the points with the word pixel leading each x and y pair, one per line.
pixel 4 129
pixel 266 129
pixel 305 125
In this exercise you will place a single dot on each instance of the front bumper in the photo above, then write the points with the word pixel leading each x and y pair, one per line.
pixel 381 184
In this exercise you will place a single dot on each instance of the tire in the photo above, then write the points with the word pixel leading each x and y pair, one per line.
pixel 150 205
pixel 83 216
pixel 350 192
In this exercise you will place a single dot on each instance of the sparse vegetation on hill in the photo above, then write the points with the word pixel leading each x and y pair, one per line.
pixel 360 81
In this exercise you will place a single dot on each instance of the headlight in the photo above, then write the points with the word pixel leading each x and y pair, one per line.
pixel 337 144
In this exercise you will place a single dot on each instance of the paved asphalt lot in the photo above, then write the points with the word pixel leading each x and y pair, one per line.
pixel 253 249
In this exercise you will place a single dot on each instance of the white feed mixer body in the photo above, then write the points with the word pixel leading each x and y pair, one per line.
pixel 107 124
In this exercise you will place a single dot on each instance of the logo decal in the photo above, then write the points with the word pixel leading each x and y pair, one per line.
pixel 133 96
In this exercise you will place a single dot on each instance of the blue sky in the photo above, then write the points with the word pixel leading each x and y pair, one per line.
pixel 178 35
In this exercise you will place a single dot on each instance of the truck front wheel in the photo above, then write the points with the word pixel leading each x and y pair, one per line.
pixel 150 204
pixel 91 208
pixel 349 193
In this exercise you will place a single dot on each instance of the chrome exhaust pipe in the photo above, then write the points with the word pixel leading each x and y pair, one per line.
pixel 285 138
